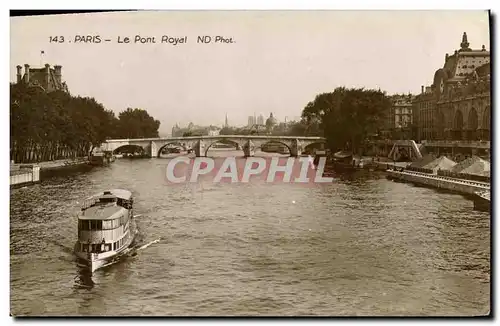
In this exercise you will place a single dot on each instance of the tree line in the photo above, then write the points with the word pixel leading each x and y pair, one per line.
pixel 49 126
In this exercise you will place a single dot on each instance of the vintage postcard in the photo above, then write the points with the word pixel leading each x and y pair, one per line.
pixel 250 163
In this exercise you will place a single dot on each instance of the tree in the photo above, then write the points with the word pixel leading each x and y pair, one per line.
pixel 347 116
pixel 48 126
pixel 137 123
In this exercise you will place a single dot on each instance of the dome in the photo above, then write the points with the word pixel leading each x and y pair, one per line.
pixel 271 121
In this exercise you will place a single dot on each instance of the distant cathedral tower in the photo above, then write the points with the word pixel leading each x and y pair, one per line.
pixel 226 124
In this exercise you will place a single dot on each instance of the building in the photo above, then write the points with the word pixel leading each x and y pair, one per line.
pixel 400 117
pixel 176 130
pixel 194 130
pixel 49 79
pixel 213 131
pixel 457 106
pixel 260 120
pixel 271 122
pixel 251 121
pixel 423 114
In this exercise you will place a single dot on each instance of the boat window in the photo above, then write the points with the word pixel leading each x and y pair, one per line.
pixel 107 200
pixel 107 224
pixel 95 225
pixel 84 225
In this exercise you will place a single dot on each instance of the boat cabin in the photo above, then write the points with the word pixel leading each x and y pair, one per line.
pixel 104 221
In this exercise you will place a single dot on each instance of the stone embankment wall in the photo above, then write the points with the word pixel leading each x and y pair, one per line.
pixel 24 175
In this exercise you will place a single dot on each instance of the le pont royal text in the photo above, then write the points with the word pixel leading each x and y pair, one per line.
pixel 138 39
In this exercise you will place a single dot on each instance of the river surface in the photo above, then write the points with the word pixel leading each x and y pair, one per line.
pixel 361 245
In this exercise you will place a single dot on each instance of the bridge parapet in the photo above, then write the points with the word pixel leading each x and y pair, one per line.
pixel 201 144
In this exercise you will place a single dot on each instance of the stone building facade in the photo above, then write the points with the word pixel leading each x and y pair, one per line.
pixel 47 78
pixel 457 106
pixel 400 117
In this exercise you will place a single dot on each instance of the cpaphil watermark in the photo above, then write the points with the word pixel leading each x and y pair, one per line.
pixel 184 169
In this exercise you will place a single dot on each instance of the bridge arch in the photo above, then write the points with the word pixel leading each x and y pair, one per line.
pixel 177 144
pixel 273 141
pixel 222 141
pixel 129 149
pixel 319 143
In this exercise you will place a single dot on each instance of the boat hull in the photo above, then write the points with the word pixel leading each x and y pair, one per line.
pixel 481 203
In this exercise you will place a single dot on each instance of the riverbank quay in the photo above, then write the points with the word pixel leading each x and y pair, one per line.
pixel 462 186
pixel 384 166
pixel 26 174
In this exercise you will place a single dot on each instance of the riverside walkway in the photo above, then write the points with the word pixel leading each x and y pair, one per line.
pixel 458 185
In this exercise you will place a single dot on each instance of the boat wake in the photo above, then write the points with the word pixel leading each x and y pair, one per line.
pixel 84 278
pixel 131 252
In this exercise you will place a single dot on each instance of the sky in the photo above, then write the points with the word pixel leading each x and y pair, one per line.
pixel 278 60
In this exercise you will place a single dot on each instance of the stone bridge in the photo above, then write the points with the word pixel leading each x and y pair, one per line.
pixel 201 144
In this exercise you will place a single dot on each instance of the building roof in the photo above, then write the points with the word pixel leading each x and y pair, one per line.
pixel 451 68
pixel 47 78
pixel 474 53
pixel 106 211
pixel 119 193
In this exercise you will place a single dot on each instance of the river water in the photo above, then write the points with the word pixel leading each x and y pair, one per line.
pixel 361 245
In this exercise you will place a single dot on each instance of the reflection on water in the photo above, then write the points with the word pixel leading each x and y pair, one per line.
pixel 84 277
pixel 362 245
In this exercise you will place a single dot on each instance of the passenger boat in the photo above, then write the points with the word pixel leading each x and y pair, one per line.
pixel 106 228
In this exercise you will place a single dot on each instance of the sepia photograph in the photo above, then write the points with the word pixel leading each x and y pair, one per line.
pixel 250 163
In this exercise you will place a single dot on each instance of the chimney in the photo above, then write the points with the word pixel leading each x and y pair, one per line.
pixel 26 73
pixel 422 89
pixel 446 57
pixel 57 69
pixel 19 73
pixel 47 76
